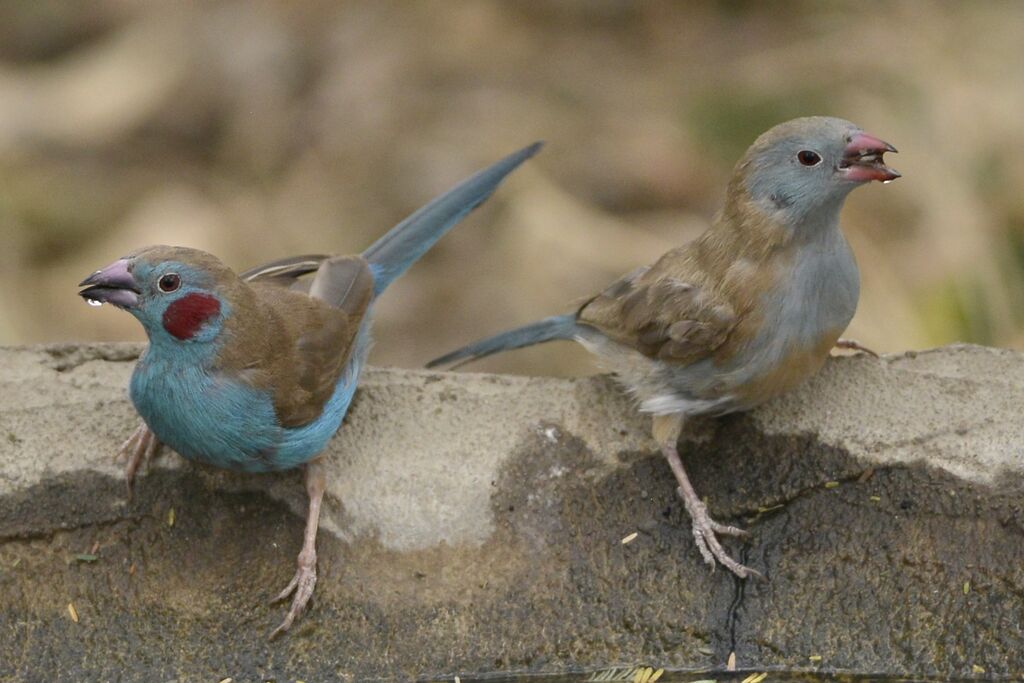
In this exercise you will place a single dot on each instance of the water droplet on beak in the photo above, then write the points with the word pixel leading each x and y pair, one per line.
pixel 93 302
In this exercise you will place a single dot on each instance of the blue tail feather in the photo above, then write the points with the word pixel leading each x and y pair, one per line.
pixel 392 254
pixel 548 329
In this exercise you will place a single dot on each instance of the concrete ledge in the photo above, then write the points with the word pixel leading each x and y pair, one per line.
pixel 474 523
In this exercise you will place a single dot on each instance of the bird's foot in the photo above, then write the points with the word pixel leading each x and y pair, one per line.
pixel 302 584
pixel 704 530
pixel 140 448
pixel 300 588
pixel 854 345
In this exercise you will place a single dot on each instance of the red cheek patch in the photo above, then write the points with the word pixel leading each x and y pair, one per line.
pixel 184 317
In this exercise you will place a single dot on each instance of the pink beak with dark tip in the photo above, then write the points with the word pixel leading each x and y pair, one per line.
pixel 113 284
pixel 862 159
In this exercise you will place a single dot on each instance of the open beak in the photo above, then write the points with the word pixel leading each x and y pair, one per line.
pixel 862 160
pixel 112 285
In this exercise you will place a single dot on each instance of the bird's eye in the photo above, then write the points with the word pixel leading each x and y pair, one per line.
pixel 169 282
pixel 808 158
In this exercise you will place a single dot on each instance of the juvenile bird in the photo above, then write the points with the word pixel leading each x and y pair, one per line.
pixel 743 313
pixel 255 372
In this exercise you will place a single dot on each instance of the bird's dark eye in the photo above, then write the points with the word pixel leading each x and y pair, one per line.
pixel 808 158
pixel 169 282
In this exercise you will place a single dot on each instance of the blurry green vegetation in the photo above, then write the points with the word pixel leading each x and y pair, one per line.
pixel 958 310
pixel 259 130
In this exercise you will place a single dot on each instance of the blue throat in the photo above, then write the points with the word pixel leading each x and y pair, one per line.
pixel 216 420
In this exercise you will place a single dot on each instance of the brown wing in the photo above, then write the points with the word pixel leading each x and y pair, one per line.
pixel 663 311
pixel 297 348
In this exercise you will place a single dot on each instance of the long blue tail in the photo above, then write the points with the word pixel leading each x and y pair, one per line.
pixel 548 329
pixel 393 253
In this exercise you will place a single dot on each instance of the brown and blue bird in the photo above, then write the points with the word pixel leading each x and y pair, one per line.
pixel 255 371
pixel 743 313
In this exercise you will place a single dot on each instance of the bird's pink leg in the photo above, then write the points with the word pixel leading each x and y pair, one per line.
pixel 704 528
pixel 854 345
pixel 141 447
pixel 304 581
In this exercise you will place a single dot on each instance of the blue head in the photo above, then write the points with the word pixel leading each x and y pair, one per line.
pixel 178 294
pixel 807 166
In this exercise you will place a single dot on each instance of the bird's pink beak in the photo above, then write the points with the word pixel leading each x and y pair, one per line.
pixel 113 284
pixel 862 159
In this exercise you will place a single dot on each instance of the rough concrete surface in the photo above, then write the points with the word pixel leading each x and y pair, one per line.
pixel 474 524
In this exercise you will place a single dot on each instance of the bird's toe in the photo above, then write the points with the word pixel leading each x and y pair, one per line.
pixel 704 534
pixel 301 589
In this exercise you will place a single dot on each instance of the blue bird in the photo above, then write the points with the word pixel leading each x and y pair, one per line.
pixel 255 371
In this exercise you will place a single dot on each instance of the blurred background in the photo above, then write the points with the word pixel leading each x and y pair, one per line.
pixel 256 130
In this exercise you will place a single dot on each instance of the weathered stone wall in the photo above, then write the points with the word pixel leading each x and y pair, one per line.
pixel 473 524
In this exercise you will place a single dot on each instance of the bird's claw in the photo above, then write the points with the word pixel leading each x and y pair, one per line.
pixel 704 530
pixel 854 345
pixel 139 449
pixel 302 585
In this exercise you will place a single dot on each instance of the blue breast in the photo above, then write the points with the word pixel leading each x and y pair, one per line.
pixel 214 419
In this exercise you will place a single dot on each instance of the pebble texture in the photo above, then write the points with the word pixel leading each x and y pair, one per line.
pixel 473 524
